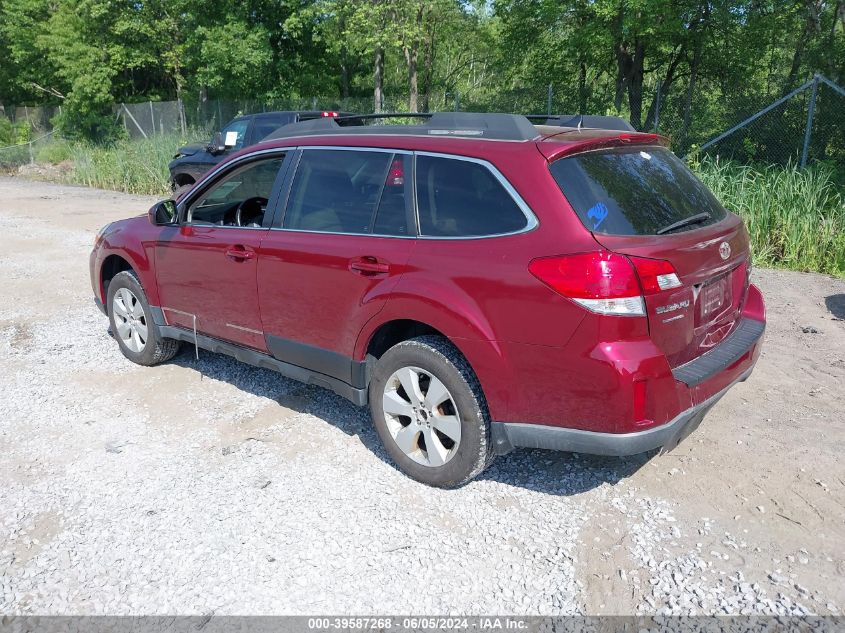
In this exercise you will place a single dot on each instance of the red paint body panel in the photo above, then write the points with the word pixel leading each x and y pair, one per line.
pixel 132 240
pixel 695 256
pixel 310 294
pixel 187 258
pixel 540 357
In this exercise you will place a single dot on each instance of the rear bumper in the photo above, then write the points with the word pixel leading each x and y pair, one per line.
pixel 507 435
pixel 728 352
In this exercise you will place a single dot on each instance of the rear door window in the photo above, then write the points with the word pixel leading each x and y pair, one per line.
pixel 635 191
pixel 461 198
pixel 342 191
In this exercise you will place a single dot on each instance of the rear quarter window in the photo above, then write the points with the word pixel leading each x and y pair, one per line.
pixel 634 191
pixel 461 198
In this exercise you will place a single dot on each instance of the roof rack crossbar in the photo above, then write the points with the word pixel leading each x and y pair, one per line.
pixel 590 121
pixel 491 125
pixel 494 125
pixel 385 115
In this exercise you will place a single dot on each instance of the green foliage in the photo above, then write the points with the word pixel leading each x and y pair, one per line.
pixel 54 152
pixel 795 217
pixel 716 61
pixel 138 166
pixel 13 157
pixel 234 54
pixel 14 134
pixel 6 132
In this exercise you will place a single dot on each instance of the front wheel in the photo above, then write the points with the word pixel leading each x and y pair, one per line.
pixel 132 324
pixel 430 412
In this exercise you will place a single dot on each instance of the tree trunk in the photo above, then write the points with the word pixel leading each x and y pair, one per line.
pixel 582 88
pixel 663 88
pixel 623 62
pixel 635 85
pixel 378 80
pixel 413 91
pixel 344 80
pixel 693 77
pixel 812 25
pixel 428 67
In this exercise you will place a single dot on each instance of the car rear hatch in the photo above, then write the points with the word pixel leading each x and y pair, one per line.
pixel 643 202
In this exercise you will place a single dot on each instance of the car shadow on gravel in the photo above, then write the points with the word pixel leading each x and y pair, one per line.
pixel 836 305
pixel 562 474
pixel 550 472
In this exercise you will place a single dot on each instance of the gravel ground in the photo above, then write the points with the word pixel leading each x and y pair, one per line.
pixel 213 487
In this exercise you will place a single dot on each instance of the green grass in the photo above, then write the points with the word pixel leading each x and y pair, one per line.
pixel 54 153
pixel 795 217
pixel 137 166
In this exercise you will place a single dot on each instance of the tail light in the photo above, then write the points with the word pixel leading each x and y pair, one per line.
pixel 396 173
pixel 328 113
pixel 605 282
pixel 655 274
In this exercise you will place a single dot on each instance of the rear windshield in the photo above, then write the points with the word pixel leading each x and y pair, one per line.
pixel 635 191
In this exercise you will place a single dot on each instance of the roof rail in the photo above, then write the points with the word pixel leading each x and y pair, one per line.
pixel 591 121
pixel 497 126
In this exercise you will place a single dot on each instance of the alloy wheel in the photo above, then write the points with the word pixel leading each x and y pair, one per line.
pixel 422 416
pixel 129 320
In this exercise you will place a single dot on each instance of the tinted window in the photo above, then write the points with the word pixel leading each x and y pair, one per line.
pixel 339 191
pixel 459 198
pixel 634 191
pixel 252 184
pixel 261 126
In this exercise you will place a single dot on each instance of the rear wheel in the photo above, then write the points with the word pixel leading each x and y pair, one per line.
pixel 132 324
pixel 430 412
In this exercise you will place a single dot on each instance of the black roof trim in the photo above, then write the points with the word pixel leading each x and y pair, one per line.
pixel 591 121
pixel 494 125
pixel 497 126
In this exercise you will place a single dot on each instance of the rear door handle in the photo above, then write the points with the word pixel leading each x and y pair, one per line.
pixel 240 253
pixel 369 266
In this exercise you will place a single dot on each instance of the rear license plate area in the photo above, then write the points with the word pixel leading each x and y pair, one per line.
pixel 713 298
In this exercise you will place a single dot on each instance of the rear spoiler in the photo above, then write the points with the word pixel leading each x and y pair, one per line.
pixel 568 145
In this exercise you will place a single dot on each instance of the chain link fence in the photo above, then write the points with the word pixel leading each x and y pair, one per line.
pixel 805 125
pixel 744 123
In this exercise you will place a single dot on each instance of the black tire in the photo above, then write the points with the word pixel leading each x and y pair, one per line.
pixel 156 349
pixel 436 356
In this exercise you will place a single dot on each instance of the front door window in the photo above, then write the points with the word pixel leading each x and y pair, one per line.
pixel 240 199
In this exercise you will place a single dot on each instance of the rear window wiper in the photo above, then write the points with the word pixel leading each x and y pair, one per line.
pixel 693 219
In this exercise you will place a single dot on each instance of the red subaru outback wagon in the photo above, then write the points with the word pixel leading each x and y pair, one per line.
pixel 480 282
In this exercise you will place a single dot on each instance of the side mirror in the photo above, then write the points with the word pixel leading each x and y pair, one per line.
pixel 163 213
pixel 217 146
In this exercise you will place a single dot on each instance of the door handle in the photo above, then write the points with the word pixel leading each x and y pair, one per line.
pixel 368 266
pixel 240 252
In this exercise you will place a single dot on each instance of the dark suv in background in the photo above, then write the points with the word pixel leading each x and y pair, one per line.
pixel 480 282
pixel 192 161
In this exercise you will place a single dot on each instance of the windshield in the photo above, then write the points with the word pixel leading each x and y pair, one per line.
pixel 234 134
pixel 635 191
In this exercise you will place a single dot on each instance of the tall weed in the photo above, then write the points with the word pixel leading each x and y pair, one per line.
pixel 796 217
pixel 133 166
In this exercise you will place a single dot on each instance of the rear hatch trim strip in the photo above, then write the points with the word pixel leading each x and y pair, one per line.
pixel 723 355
